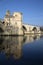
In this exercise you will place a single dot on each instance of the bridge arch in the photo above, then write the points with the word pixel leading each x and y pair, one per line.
pixel 24 29
pixel 34 29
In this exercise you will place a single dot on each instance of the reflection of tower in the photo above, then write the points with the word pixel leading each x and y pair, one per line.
pixel 13 46
pixel 18 47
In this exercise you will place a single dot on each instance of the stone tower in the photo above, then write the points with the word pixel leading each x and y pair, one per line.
pixel 8 13
pixel 15 21
pixel 18 22
pixel 7 17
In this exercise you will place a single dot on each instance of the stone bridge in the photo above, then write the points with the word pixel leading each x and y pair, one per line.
pixel 27 29
pixel 30 29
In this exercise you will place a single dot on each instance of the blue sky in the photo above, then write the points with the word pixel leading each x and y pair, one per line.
pixel 32 10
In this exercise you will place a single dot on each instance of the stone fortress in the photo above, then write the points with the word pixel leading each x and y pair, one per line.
pixel 13 25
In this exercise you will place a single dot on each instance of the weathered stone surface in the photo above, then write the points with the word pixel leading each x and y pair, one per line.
pixel 13 25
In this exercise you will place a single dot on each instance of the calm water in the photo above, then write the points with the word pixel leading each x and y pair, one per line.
pixel 21 50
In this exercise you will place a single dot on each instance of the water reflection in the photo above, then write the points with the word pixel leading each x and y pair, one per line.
pixel 12 45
